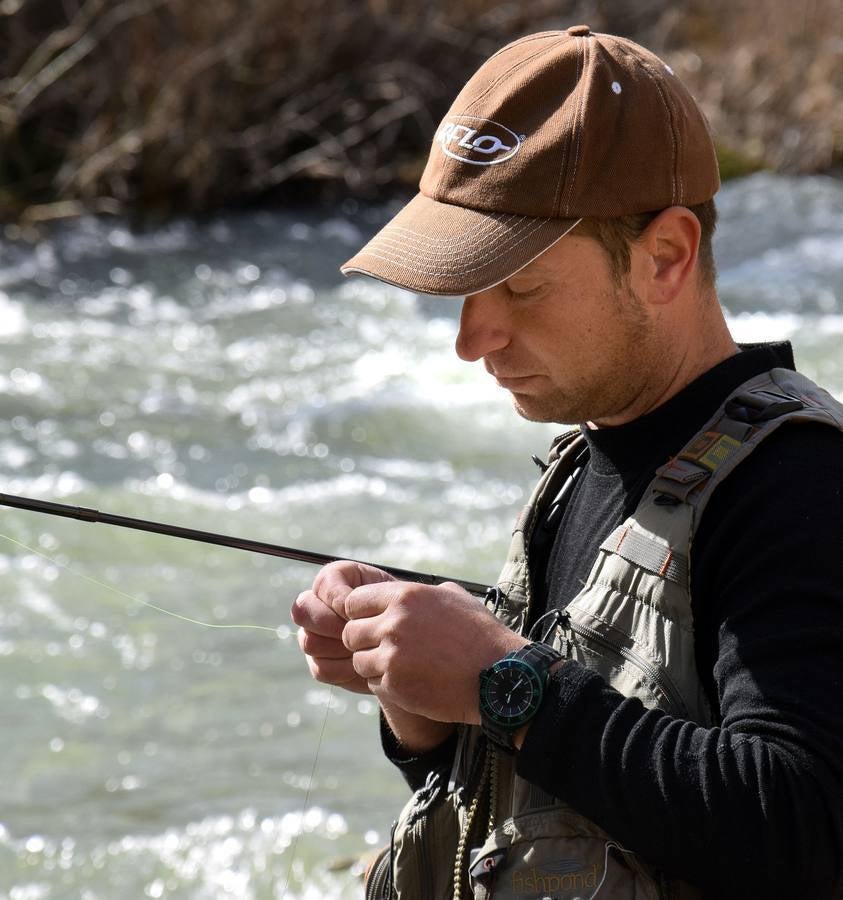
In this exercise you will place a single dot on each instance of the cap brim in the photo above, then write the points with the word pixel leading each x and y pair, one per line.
pixel 437 248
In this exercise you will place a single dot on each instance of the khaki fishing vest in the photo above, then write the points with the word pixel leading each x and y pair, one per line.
pixel 483 832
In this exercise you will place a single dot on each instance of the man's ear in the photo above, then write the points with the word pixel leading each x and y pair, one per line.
pixel 667 252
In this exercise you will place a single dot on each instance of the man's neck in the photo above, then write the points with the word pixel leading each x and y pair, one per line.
pixel 712 344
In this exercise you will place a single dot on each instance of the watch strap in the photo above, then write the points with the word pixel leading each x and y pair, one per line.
pixel 538 656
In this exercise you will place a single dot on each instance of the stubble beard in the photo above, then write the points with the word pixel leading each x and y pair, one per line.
pixel 629 361
pixel 554 407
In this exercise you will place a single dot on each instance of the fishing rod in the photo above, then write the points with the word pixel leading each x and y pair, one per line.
pixel 86 514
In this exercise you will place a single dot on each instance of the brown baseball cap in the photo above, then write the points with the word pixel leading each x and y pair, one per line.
pixel 554 127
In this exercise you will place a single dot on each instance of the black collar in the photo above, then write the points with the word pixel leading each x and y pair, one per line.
pixel 653 438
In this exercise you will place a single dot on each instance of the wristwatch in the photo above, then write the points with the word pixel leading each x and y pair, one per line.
pixel 511 691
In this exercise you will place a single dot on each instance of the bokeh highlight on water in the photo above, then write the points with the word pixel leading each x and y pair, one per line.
pixel 222 375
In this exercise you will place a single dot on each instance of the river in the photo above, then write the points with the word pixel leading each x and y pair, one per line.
pixel 222 375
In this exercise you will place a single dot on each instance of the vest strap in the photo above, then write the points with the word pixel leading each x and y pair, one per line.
pixel 638 549
pixel 729 436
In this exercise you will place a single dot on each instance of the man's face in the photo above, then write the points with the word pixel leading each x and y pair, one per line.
pixel 568 342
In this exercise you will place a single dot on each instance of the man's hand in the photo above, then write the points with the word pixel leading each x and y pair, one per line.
pixel 319 613
pixel 421 648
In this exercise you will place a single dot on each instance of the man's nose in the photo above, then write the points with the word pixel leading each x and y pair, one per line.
pixel 483 327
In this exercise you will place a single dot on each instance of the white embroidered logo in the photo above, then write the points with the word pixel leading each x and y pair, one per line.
pixel 479 142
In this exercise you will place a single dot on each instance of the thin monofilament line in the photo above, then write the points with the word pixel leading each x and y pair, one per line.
pixel 125 596
pixel 175 615
pixel 306 806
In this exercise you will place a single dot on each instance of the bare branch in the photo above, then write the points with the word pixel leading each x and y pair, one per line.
pixel 74 54
pixel 352 136
pixel 57 41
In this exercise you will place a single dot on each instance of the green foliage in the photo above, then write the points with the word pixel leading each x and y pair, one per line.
pixel 734 164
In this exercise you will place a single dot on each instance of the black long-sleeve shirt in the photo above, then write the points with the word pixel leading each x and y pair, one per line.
pixel 754 806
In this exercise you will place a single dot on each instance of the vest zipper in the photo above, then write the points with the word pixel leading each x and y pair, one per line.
pixel 539 512
pixel 379 882
pixel 655 674
pixel 378 886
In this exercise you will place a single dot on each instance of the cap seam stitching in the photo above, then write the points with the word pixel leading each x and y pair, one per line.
pixel 504 75
pixel 398 234
pixel 483 259
pixel 644 65
pixel 580 115
pixel 678 197
pixel 466 109
pixel 542 35
pixel 557 193
pixel 510 227
pixel 483 287
pixel 395 254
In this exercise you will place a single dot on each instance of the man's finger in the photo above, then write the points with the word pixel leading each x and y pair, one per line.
pixel 335 581
pixel 370 600
pixel 339 672
pixel 368 664
pixel 361 634
pixel 332 587
pixel 311 613
pixel 323 647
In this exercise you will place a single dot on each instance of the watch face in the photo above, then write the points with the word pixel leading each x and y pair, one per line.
pixel 510 692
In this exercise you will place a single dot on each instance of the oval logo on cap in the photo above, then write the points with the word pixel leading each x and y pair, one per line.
pixel 480 142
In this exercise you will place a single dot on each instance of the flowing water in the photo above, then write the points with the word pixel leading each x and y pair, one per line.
pixel 223 376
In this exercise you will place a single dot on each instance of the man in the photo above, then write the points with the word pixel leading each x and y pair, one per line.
pixel 657 676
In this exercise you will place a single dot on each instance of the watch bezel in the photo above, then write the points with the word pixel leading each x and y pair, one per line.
pixel 487 678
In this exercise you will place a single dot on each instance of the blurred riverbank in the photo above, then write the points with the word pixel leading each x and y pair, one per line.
pixel 160 107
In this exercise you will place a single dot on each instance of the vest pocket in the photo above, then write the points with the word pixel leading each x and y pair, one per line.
pixel 612 653
pixel 554 852
pixel 424 844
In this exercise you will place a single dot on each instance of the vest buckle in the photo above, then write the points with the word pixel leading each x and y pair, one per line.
pixel 753 408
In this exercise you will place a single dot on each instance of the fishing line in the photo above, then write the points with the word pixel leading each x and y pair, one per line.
pixel 306 805
pixel 175 615
pixel 114 590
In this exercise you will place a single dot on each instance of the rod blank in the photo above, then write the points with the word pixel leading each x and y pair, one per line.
pixel 85 514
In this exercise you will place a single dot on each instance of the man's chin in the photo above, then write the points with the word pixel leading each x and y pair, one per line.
pixel 541 409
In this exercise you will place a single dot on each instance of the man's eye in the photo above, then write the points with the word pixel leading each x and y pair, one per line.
pixel 523 294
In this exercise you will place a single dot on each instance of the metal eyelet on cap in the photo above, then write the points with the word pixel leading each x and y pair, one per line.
pixel 579 31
